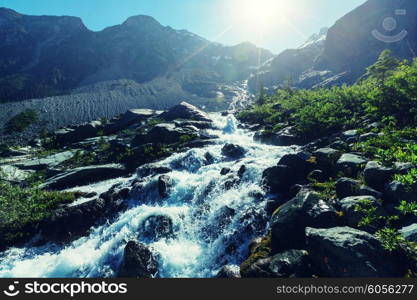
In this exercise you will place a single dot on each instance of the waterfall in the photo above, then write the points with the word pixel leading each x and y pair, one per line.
pixel 212 221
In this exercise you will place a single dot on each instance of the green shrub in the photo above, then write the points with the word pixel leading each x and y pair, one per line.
pixel 20 122
pixel 22 207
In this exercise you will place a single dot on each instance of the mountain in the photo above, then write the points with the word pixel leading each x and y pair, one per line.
pixel 352 44
pixel 47 56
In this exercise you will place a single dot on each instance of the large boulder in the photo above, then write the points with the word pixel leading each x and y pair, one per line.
pixel 138 262
pixel 376 175
pixel 298 162
pixel 185 111
pixel 289 222
pixel 83 176
pixel 346 187
pixel 348 252
pixel 350 164
pixel 48 162
pixel 131 117
pixel 279 179
pixel 352 216
pixel 13 174
pixel 233 151
pixel 165 133
pixel 288 264
pixel 396 191
pixel 78 133
pixel 326 158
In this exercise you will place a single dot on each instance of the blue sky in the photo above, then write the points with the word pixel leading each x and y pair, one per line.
pixel 287 25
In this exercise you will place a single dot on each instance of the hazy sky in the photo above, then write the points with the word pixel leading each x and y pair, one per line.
pixel 272 24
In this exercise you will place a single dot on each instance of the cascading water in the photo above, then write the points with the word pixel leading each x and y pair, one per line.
pixel 213 217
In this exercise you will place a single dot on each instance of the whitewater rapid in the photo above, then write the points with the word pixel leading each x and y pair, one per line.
pixel 207 235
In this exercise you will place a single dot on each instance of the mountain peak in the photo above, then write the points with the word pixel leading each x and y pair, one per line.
pixel 8 13
pixel 141 20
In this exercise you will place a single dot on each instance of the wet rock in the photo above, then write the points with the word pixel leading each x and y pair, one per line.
pixel 225 171
pixel 157 227
pixel 185 111
pixel 350 164
pixel 241 171
pixel 229 272
pixel 83 176
pixel 288 264
pixel 233 151
pixel 196 124
pixel 164 185
pixel 138 262
pixel 209 158
pixel 376 175
pixel 349 134
pixel 279 179
pixel 409 233
pixel 152 170
pixel 346 187
pixel 352 216
pixel 164 133
pixel 290 220
pixel 297 162
pixel 347 252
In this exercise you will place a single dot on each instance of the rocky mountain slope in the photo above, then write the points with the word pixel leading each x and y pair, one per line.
pixel 46 56
pixel 352 43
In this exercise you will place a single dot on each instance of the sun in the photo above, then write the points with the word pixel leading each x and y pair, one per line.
pixel 261 13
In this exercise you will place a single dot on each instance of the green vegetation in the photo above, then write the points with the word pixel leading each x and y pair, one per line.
pixel 390 238
pixel 20 122
pixel 20 208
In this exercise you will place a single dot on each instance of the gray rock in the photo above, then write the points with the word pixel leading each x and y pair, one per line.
pixel 409 233
pixel 350 164
pixel 346 187
pixel 83 176
pixel 233 151
pixel 403 168
pixel 13 174
pixel 164 133
pixel 288 264
pixel 297 162
pixel 290 220
pixel 348 207
pixel 396 191
pixel 78 133
pixel 185 111
pixel 48 162
pixel 152 170
pixel 131 117
pixel 376 175
pixel 327 158
pixel 284 137
pixel 350 134
pixel 367 136
pixel 368 191
pixel 347 252
pixel 278 179
pixel 138 262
